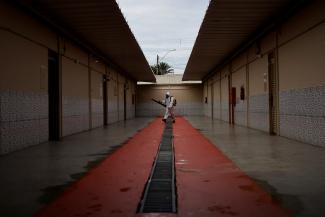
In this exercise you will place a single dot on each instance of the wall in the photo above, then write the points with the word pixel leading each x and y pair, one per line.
pixel 217 97
pixel 75 94
pixel 298 45
pixel 120 86
pixel 112 95
pixel 97 107
pixel 258 110
pixel 24 100
pixel 206 100
pixel 189 99
pixel 224 95
pixel 130 105
pixel 23 93
pixel 23 83
pixel 302 79
pixel 240 110
pixel 209 105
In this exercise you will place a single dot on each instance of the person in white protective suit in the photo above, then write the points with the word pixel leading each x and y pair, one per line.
pixel 170 102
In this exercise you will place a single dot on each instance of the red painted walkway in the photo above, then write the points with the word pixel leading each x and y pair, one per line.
pixel 115 186
pixel 208 183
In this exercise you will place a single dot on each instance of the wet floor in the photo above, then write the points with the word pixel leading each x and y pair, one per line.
pixel 292 172
pixel 208 183
pixel 114 187
pixel 32 177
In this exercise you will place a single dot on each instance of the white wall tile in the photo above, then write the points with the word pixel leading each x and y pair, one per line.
pixel 20 114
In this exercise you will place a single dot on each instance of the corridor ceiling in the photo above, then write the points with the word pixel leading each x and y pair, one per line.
pixel 98 25
pixel 228 25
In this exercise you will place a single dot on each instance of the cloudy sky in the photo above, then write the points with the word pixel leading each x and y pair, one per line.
pixel 160 26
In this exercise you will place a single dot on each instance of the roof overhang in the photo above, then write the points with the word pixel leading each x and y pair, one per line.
pixel 98 26
pixel 231 26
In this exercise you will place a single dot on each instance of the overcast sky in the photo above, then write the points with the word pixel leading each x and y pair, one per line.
pixel 163 25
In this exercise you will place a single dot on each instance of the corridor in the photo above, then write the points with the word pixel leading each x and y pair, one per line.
pixel 89 91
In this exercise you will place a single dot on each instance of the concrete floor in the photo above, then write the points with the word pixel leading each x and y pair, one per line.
pixel 32 177
pixel 292 172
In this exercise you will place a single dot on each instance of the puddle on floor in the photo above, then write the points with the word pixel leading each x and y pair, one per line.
pixel 291 202
pixel 52 192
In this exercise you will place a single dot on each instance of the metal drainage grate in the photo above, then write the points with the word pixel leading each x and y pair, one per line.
pixel 160 194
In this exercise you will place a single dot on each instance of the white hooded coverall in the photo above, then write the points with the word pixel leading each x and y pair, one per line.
pixel 169 102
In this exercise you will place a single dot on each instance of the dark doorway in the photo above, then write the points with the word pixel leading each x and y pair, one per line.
pixel 272 93
pixel 54 96
pixel 105 99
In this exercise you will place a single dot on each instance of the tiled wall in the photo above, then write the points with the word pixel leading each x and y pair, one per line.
pixel 190 108
pixel 225 111
pixel 97 116
pixel 149 109
pixel 75 115
pixel 112 117
pixel 207 109
pixel 130 112
pixel 258 112
pixel 23 119
pixel 302 114
pixel 241 113
pixel 121 115
pixel 216 109
pixel 153 109
pixel 112 114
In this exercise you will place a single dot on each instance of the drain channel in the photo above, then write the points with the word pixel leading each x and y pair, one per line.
pixel 160 193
